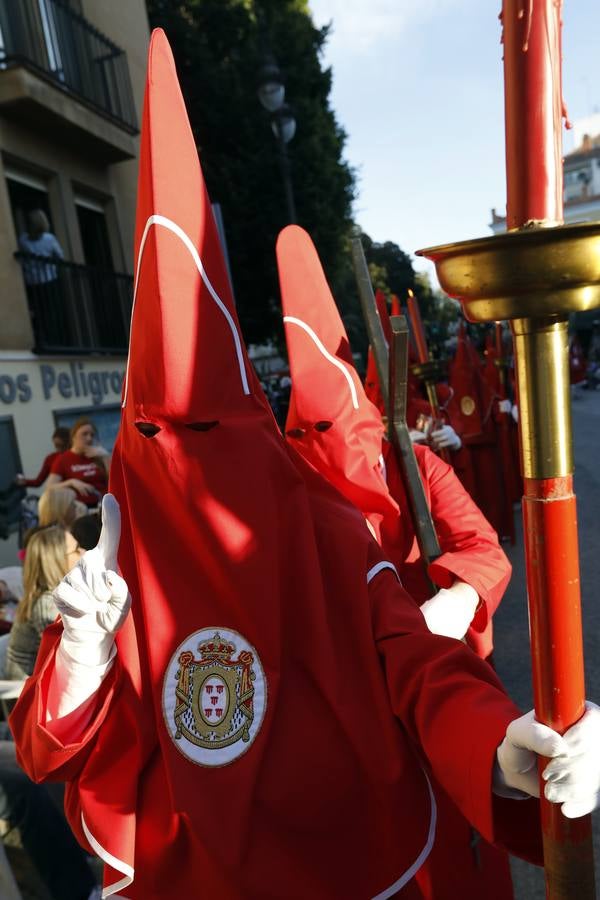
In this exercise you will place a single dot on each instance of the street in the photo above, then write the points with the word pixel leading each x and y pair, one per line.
pixel 511 642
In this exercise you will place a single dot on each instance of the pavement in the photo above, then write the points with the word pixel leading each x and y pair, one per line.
pixel 511 638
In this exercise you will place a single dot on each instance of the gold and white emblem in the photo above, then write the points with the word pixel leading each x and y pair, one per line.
pixel 214 696
pixel 467 405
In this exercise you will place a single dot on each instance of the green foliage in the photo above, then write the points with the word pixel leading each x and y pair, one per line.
pixel 392 271
pixel 219 47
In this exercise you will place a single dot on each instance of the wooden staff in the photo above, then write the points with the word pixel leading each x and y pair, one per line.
pixel 394 398
pixel 400 435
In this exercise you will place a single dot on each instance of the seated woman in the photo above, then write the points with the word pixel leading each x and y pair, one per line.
pixel 84 467
pixel 36 810
pixel 59 507
pixel 51 552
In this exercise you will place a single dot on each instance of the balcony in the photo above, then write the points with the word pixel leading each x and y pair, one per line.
pixel 76 308
pixel 57 70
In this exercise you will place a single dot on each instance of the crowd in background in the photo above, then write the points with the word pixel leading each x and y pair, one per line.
pixel 63 523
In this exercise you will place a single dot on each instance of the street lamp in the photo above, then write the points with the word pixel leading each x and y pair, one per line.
pixel 271 93
pixel 271 90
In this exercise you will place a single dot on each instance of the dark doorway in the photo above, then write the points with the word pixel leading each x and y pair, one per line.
pixel 94 237
pixel 106 290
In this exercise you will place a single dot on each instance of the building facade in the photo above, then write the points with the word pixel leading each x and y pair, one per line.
pixel 72 76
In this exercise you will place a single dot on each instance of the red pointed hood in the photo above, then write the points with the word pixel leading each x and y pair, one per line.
pixel 187 360
pixel 371 383
pixel 384 315
pixel 211 496
pixel 491 372
pixel 465 383
pixel 330 421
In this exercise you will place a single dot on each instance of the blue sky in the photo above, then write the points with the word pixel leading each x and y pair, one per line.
pixel 418 86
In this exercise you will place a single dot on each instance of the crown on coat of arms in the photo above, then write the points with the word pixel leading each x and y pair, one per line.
pixel 216 648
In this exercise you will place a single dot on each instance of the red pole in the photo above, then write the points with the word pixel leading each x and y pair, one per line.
pixel 533 110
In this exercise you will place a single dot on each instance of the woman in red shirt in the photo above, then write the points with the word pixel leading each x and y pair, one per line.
pixel 84 467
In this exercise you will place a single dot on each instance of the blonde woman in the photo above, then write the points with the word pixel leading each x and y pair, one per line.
pixel 51 552
pixel 59 507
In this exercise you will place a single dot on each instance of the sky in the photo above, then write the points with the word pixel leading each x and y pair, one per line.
pixel 418 87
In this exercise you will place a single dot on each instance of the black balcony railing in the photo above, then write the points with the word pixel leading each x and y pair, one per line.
pixel 48 36
pixel 75 308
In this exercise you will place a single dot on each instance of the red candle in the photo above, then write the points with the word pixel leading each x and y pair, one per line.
pixel 416 325
pixel 533 111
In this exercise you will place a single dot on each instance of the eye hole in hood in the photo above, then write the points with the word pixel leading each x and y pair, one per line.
pixel 323 425
pixel 296 432
pixel 148 429
pixel 202 426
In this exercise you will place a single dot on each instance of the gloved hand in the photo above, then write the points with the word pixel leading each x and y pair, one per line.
pixel 504 406
pixel 445 438
pixel 416 436
pixel 92 599
pixel 573 775
pixel 451 610
pixel 515 413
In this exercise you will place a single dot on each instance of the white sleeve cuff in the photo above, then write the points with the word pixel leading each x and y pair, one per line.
pixel 74 682
pixel 501 789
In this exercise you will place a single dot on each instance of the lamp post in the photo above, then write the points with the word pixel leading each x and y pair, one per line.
pixel 271 93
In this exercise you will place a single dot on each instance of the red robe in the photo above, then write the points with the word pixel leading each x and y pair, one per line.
pixel 277 699
pixel 475 400
pixel 338 430
pixel 331 800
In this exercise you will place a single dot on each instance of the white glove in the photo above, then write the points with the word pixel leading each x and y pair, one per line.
pixel 515 413
pixel 445 438
pixel 93 602
pixel 573 775
pixel 451 610
pixel 504 406
pixel 416 436
pixel 92 599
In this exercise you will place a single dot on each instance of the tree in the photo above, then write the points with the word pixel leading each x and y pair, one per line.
pixel 219 47
pixel 391 270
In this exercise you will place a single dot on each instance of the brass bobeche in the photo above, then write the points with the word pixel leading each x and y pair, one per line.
pixel 526 273
pixel 533 276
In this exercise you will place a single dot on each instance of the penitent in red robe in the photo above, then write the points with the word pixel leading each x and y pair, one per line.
pixel 277 703
pixel 338 430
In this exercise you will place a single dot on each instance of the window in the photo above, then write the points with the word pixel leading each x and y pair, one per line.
pixel 106 419
pixel 10 461
pixel 94 233
pixel 10 465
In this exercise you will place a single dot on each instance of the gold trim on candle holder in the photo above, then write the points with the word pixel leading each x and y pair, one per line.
pixel 529 272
